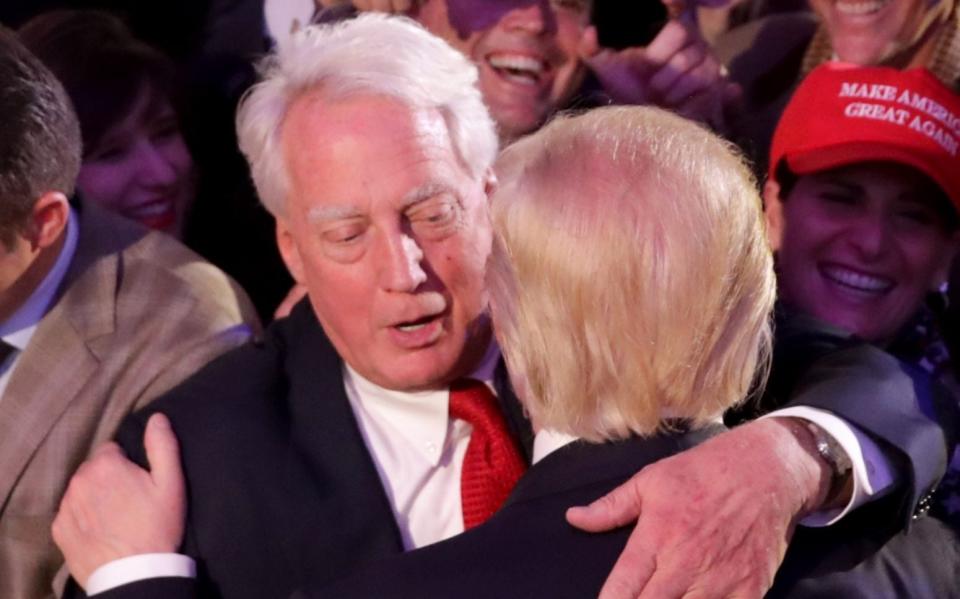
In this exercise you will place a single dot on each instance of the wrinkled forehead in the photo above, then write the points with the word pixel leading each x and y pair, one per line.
pixel 473 16
pixel 348 152
pixel 318 118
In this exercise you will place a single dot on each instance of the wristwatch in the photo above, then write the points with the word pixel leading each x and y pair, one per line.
pixel 833 454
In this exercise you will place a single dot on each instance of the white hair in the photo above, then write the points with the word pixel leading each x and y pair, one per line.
pixel 371 54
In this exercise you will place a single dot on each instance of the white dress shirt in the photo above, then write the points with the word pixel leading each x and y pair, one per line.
pixel 548 441
pixel 418 451
pixel 22 324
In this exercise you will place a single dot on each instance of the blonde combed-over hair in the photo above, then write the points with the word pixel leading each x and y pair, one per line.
pixel 631 277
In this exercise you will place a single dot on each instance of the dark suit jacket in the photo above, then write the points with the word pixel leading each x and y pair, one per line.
pixel 910 416
pixel 528 550
pixel 282 489
pixel 281 486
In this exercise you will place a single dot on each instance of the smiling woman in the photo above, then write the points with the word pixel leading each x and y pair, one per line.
pixel 863 209
pixel 135 161
pixel 882 31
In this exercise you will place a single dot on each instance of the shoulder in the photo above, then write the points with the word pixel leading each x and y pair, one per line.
pixel 809 353
pixel 149 310
pixel 161 273
pixel 802 341
pixel 245 384
pixel 245 390
pixel 148 277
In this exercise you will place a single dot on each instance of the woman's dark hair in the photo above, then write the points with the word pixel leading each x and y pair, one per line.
pixel 102 66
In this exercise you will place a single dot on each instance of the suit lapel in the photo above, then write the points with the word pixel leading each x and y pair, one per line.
pixel 60 359
pixel 348 503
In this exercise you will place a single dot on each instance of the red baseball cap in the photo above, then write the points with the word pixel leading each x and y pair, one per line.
pixel 845 114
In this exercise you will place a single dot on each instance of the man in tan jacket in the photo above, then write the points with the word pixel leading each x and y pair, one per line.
pixel 97 317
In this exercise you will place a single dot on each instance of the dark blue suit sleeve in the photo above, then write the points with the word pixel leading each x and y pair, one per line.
pixel 910 415
pixel 155 588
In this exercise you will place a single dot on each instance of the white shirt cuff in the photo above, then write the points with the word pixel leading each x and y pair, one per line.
pixel 872 472
pixel 140 567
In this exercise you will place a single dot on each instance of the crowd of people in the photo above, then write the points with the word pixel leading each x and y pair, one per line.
pixel 472 298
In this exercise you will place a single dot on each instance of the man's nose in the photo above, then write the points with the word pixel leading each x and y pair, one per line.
pixel 401 264
pixel 534 17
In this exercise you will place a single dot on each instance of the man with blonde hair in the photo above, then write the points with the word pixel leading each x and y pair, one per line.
pixel 626 341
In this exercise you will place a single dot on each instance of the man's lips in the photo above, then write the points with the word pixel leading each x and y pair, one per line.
pixel 418 333
pixel 859 282
pixel 420 322
pixel 520 68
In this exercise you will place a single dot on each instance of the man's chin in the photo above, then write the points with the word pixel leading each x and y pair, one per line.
pixel 415 383
pixel 513 123
pixel 429 373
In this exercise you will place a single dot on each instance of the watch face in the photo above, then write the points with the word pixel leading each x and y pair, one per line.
pixel 830 450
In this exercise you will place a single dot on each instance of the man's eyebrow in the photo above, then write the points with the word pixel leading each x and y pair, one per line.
pixel 425 192
pixel 327 213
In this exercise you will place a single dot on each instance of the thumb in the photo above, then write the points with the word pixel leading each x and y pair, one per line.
pixel 163 454
pixel 589 44
pixel 615 509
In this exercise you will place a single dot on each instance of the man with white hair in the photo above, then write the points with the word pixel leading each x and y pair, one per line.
pixel 347 433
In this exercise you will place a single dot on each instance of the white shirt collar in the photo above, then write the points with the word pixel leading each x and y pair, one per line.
pixel 548 441
pixel 419 417
pixel 20 327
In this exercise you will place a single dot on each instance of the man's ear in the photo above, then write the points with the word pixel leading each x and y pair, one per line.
pixel 773 211
pixel 490 183
pixel 48 219
pixel 289 250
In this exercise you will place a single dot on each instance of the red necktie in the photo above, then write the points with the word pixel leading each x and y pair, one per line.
pixel 493 463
